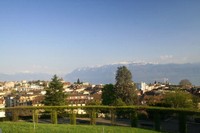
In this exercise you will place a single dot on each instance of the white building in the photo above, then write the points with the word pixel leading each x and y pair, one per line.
pixel 36 87
pixel 144 87
pixel 80 90
pixel 68 90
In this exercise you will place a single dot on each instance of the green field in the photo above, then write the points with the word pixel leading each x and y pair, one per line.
pixel 22 127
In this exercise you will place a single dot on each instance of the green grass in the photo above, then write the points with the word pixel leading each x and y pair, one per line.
pixel 23 127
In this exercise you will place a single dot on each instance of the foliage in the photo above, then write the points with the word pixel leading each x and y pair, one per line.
pixel 123 92
pixel 185 83
pixel 196 101
pixel 73 118
pixel 35 116
pixel 108 96
pixel 15 115
pixel 94 102
pixel 119 102
pixel 121 113
pixel 182 122
pixel 49 108
pixel 54 117
pixel 157 121
pixel 133 110
pixel 93 117
pixel 78 81
pixel 124 87
pixel 153 100
pixel 134 119
pixel 178 99
pixel 54 93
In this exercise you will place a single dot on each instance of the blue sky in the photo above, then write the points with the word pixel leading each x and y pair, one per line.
pixel 58 36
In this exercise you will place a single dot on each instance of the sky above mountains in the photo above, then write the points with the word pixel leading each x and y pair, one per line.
pixel 58 36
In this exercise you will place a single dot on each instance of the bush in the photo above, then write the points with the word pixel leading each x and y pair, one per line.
pixel 73 118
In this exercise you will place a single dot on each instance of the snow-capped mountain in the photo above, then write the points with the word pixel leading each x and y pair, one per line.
pixel 104 74
pixel 146 72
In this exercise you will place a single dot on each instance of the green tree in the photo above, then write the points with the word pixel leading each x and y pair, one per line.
pixel 185 83
pixel 196 101
pixel 124 87
pixel 108 96
pixel 178 99
pixel 55 95
pixel 78 81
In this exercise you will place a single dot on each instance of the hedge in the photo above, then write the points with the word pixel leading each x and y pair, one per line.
pixel 132 110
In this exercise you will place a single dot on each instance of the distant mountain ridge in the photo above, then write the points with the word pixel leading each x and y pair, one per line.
pixel 25 76
pixel 146 72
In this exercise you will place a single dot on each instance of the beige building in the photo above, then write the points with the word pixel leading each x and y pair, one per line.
pixel 9 84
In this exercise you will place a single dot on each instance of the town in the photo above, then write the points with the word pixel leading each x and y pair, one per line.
pixel 31 93
pixel 59 101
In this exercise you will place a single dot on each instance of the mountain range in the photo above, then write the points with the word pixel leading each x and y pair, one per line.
pixel 141 72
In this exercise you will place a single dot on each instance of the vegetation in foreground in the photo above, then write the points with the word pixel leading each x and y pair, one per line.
pixel 23 127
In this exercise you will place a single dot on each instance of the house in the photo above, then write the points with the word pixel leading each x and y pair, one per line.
pixel 79 90
pixel 79 100
pixel 68 90
pixel 37 101
pixel 66 85
pixel 9 85
pixel 36 87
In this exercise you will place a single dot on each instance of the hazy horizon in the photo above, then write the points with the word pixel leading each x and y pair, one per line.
pixel 60 36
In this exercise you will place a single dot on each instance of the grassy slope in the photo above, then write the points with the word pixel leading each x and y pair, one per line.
pixel 21 127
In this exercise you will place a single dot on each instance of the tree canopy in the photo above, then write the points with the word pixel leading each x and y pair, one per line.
pixel 55 95
pixel 185 83
pixel 78 81
pixel 124 87
pixel 123 92
pixel 108 97
pixel 178 99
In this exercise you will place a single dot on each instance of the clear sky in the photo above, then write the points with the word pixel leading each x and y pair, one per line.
pixel 58 36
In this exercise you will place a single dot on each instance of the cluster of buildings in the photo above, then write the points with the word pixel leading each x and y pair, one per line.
pixel 32 93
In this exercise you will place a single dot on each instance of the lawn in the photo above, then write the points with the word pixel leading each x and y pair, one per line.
pixel 22 127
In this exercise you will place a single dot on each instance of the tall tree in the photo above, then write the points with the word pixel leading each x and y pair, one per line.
pixel 124 87
pixel 78 81
pixel 108 96
pixel 55 95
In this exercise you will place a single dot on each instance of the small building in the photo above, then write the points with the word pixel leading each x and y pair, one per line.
pixel 144 87
pixel 79 100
